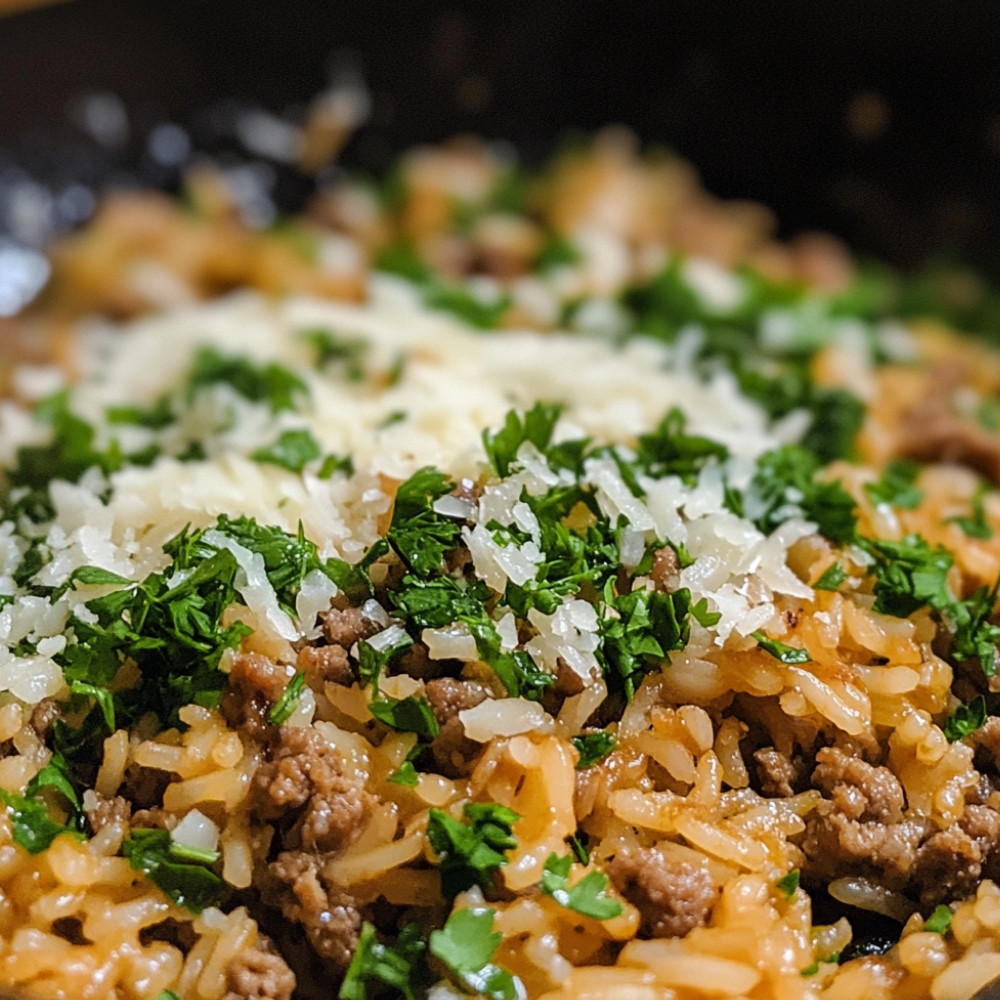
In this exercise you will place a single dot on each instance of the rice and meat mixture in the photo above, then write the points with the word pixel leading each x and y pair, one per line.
pixel 645 648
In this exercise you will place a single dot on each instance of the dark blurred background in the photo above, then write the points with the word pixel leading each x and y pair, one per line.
pixel 878 121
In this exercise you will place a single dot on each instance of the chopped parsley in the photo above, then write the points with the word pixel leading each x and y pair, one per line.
pixel 578 846
pixel 940 920
pixel 638 630
pixel 588 897
pixel 976 525
pixel 330 347
pixel 283 708
pixel 781 651
pixel 976 637
pixel 292 450
pixel 831 578
pixel 910 574
pixel 373 660
pixel 102 696
pixel 336 463
pixel 785 485
pixel 72 450
pixel 536 427
pixel 269 383
pixel 55 775
pixel 32 826
pixel 788 884
pixel 180 871
pixel 407 774
pixel 466 946
pixel 406 715
pixel 473 852
pixel 812 970
pixel 897 485
pixel 670 450
pixel 170 624
pixel 966 719
pixel 401 967
pixel 704 617
pixel 593 748
pixel 418 534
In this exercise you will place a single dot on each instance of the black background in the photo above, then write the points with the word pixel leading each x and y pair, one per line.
pixel 757 95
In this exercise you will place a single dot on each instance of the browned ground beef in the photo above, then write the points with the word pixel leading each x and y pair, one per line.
pixel 328 914
pixel 326 664
pixel 859 790
pixel 665 572
pixel 347 626
pixel 950 862
pixel 860 829
pixel 452 750
pixel 104 811
pixel 305 779
pixel 672 897
pixel 255 683
pixel 259 974
pixel 932 432
pixel 777 773
pixel 44 715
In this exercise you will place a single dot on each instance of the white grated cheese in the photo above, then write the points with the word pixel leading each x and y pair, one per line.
pixel 254 586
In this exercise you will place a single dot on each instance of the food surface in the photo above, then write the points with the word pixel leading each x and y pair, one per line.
pixel 507 587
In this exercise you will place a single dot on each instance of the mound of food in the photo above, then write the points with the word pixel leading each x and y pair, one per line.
pixel 508 587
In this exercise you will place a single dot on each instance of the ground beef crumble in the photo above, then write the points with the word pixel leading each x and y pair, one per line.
pixel 255 683
pixel 305 780
pixel 672 897
pixel 259 974
pixel 327 913
pixel 777 773
pixel 452 750
pixel 44 716
pixel 344 627
pixel 326 664
pixel 861 828
pixel 666 570
pixel 101 811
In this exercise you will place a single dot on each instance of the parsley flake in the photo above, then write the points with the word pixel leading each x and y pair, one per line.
pixel 283 708
pixel 588 897
pixel 976 525
pixel 940 920
pixel 292 450
pixel 179 871
pixel 788 884
pixel 419 535
pixel 593 748
pixel 330 347
pixel 781 651
pixel 535 427
pixel 373 658
pixel 897 485
pixel 466 946
pixel 473 852
pixel 637 631
pixel 966 719
pixel 401 966
pixel 33 828
pixel 269 383
pixel 406 715
pixel 831 578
